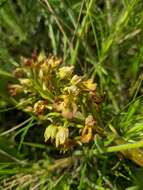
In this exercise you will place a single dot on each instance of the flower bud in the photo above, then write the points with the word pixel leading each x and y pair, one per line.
pixel 14 89
pixel 27 62
pixel 34 56
pixel 89 121
pixel 41 57
pixel 44 70
pixel 19 73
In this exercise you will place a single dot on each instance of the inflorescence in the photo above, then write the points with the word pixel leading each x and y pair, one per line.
pixel 65 103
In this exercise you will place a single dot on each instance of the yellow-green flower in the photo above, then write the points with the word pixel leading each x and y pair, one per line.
pixel 65 72
pixel 73 90
pixel 69 111
pixel 25 82
pixel 67 106
pixel 50 132
pixel 76 80
pixel 40 107
pixel 89 85
pixel 62 136
pixel 54 61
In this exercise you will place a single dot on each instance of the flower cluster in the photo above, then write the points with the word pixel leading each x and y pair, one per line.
pixel 66 103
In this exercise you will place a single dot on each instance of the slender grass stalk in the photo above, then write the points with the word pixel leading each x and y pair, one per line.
pixel 126 146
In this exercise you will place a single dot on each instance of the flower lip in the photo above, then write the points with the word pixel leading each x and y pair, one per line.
pixel 86 135
pixel 40 107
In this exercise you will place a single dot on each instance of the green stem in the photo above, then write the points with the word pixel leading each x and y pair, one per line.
pixel 125 146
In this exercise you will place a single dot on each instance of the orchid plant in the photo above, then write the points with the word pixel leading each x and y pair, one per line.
pixel 64 102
